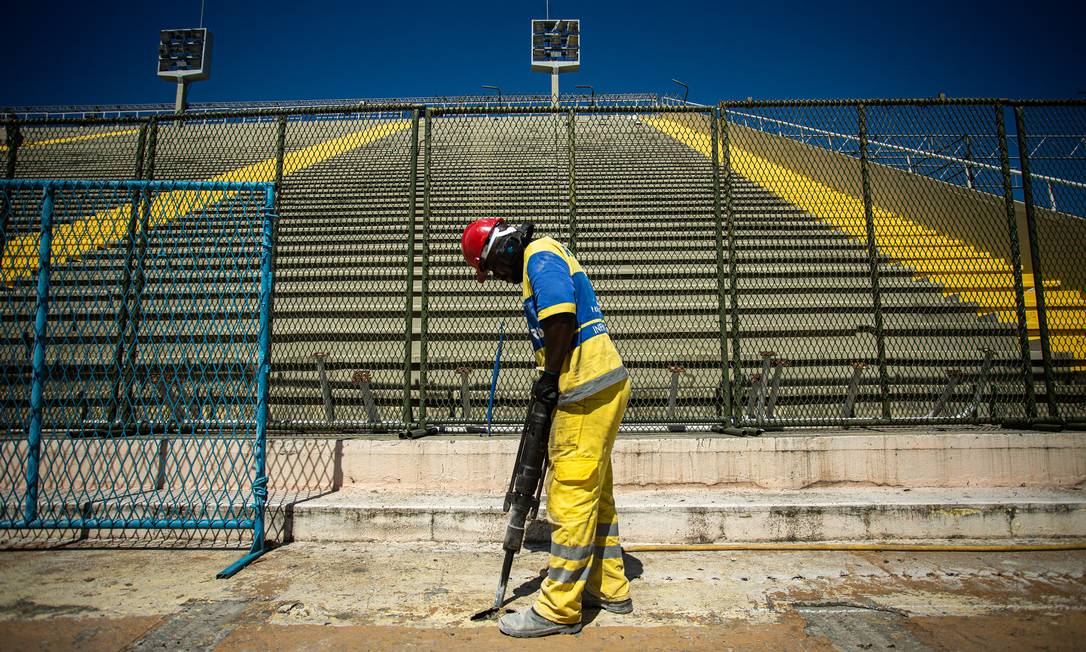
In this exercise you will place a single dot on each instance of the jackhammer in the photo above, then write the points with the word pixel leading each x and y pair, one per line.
pixel 522 497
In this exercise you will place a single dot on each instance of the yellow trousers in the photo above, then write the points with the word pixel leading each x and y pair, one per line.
pixel 585 550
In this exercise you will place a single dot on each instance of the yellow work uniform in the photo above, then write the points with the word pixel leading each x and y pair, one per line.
pixel 594 389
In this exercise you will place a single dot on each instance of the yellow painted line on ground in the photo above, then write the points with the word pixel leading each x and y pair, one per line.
pixel 959 268
pixel 73 139
pixel 110 226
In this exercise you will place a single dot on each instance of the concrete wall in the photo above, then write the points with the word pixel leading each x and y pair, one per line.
pixel 906 459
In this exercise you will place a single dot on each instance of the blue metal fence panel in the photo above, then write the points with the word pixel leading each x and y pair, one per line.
pixel 135 339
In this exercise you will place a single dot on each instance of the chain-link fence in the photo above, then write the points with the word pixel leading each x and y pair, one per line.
pixel 765 263
pixel 135 351
pixel 1051 152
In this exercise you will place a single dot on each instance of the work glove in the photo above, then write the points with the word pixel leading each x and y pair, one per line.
pixel 545 390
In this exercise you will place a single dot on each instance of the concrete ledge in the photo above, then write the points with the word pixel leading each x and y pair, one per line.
pixel 865 514
pixel 902 458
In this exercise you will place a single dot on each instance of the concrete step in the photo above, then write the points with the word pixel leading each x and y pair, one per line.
pixel 683 516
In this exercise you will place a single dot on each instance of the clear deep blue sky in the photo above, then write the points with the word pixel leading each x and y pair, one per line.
pixel 65 52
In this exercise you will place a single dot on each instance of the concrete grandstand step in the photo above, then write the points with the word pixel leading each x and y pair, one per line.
pixel 677 516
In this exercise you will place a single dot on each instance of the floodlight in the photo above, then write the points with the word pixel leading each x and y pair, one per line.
pixel 184 55
pixel 556 48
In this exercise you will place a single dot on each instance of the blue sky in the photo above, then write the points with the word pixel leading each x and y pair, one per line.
pixel 90 52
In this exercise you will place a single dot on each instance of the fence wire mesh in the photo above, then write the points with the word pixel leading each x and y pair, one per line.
pixel 807 270
pixel 76 151
pixel 342 319
pixel 131 356
pixel 646 232
pixel 477 165
pixel 805 344
pixel 949 298
pixel 1053 141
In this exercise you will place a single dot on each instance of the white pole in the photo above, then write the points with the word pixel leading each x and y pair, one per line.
pixel 554 87
pixel 179 99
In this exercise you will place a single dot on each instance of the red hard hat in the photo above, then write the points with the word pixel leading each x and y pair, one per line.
pixel 474 241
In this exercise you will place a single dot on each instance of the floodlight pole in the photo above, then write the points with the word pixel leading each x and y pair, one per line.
pixel 181 98
pixel 554 87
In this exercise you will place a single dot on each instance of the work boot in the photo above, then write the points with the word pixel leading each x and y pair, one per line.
pixel 614 606
pixel 529 624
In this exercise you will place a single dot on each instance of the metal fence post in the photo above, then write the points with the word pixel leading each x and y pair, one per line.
pixel 280 150
pixel 1016 264
pixel 721 278
pixel 1035 259
pixel 260 478
pixel 13 138
pixel 425 297
pixel 33 453
pixel 873 264
pixel 409 291
pixel 150 151
pixel 733 272
pixel 571 142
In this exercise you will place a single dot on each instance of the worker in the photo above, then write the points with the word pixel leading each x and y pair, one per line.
pixel 586 386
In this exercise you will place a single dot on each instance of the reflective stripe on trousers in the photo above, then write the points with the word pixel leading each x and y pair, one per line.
pixel 585 548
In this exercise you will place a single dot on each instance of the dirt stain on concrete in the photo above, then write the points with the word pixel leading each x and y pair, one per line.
pixel 85 634
pixel 1014 630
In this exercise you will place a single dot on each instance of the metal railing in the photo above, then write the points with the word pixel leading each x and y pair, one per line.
pixel 751 276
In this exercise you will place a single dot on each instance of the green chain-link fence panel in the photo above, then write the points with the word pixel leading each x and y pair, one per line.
pixel 647 234
pixel 483 164
pixel 73 150
pixel 1051 145
pixel 807 333
pixel 343 322
pixel 950 297
pixel 823 263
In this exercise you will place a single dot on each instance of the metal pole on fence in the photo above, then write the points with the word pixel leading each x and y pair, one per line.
pixel 149 153
pixel 1016 265
pixel 280 150
pixel 123 310
pixel 13 138
pixel 409 291
pixel 38 377
pixel 733 273
pixel 425 298
pixel 873 264
pixel 278 190
pixel 260 478
pixel 1035 259
pixel 721 279
pixel 571 143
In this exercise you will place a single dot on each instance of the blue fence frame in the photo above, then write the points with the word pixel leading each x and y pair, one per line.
pixel 143 195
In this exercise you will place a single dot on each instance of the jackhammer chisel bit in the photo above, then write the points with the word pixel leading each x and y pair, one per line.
pixel 522 497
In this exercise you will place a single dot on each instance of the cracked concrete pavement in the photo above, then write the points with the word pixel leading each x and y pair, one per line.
pixel 416 597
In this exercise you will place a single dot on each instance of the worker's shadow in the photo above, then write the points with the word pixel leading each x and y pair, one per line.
pixel 632 565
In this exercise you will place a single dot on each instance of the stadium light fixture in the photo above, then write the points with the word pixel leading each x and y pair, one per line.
pixel 494 88
pixel 592 99
pixel 686 89
pixel 556 48
pixel 184 56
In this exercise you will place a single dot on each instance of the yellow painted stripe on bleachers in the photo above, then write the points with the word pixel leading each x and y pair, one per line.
pixel 72 139
pixel 958 267
pixel 108 227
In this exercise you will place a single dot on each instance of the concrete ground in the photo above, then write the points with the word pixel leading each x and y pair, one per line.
pixel 308 596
